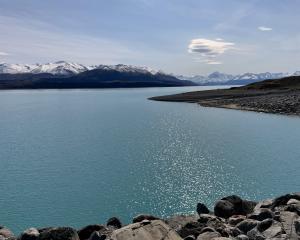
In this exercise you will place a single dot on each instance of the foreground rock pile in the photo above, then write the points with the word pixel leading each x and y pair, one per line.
pixel 232 218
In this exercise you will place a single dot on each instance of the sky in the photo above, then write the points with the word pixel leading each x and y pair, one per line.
pixel 177 36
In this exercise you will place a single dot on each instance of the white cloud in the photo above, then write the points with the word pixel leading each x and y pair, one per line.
pixel 219 39
pixel 264 29
pixel 209 49
pixel 3 54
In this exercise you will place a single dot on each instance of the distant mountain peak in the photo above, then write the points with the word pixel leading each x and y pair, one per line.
pixel 224 78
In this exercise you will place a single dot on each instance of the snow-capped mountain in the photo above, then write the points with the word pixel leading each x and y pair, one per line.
pixel 56 68
pixel 69 68
pixel 222 78
pixel 128 68
pixel 60 68
pixel 16 68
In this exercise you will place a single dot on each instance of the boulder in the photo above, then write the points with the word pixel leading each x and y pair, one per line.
pixel 204 218
pixel 297 227
pixel 30 234
pixel 207 229
pixel 97 236
pixel 235 219
pixel 6 233
pixel 224 209
pixel 87 231
pixel 248 206
pixel 114 222
pixel 293 201
pixel 242 237
pixel 60 233
pixel 275 230
pixel 233 205
pixel 261 214
pixel 208 236
pixel 293 208
pixel 191 228
pixel 265 224
pixel 233 231
pixel 287 220
pixel 283 200
pixel 264 204
pixel 154 230
pixel 202 209
pixel 246 225
pixel 142 217
pixel 179 221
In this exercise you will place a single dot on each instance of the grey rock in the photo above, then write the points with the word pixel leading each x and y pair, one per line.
pixel 265 224
pixel 242 237
pixel 275 230
pixel 97 236
pixel 293 208
pixel 224 209
pixel 177 222
pixel 30 234
pixel 233 205
pixel 263 204
pixel 287 220
pixel 234 220
pixel 114 222
pixel 142 217
pixel 283 200
pixel 293 201
pixel 157 229
pixel 6 233
pixel 246 225
pixel 86 232
pixel 297 226
pixel 191 228
pixel 204 218
pixel 261 214
pixel 202 209
pixel 60 233
pixel 208 236
pixel 248 206
pixel 254 234
pixel 233 231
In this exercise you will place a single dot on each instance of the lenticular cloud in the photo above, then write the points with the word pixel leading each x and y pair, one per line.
pixel 209 48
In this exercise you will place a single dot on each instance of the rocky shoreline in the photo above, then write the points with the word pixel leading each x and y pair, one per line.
pixel 280 96
pixel 278 102
pixel 231 218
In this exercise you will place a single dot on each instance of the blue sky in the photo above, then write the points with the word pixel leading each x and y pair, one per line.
pixel 183 37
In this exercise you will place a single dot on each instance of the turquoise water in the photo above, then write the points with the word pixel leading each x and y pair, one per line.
pixel 79 157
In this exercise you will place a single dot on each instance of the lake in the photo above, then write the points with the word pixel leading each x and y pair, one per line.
pixel 77 157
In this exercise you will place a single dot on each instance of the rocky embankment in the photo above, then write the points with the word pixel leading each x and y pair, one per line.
pixel 232 218
pixel 281 96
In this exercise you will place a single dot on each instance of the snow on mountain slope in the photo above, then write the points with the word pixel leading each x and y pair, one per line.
pixel 69 68
pixel 128 68
pixel 217 77
pixel 16 68
pixel 59 68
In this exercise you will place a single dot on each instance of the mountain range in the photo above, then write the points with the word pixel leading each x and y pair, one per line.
pixel 120 74
pixel 71 75
pixel 217 78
